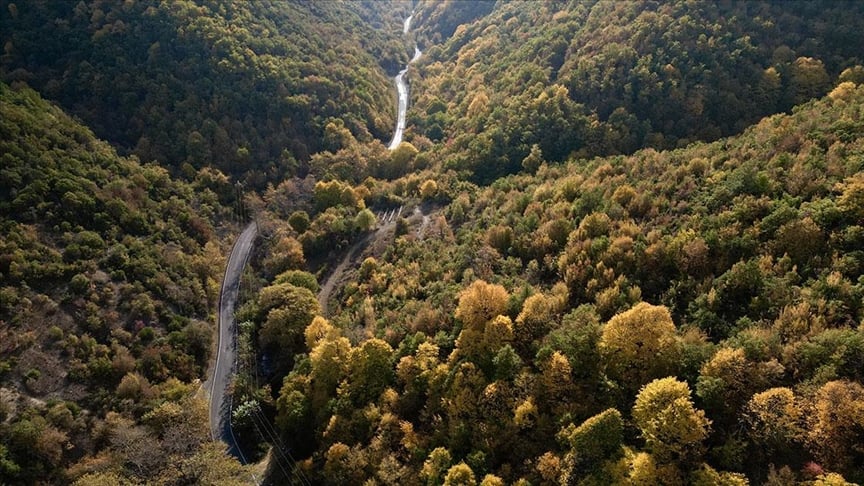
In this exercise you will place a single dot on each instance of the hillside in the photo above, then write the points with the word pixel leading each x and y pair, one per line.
pixel 519 338
pixel 108 280
pixel 245 87
pixel 621 243
pixel 608 77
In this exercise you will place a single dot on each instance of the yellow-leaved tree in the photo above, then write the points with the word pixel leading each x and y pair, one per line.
pixel 672 426
pixel 370 371
pixel 728 379
pixel 836 425
pixel 775 418
pixel 460 475
pixel 639 345
pixel 479 303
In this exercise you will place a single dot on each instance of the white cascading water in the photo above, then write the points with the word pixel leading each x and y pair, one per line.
pixel 402 90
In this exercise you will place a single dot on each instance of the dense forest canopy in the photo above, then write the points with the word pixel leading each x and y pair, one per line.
pixel 621 243
pixel 109 272
pixel 245 87
pixel 607 77
pixel 678 317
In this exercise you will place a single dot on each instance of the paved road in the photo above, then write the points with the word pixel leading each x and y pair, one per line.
pixel 220 400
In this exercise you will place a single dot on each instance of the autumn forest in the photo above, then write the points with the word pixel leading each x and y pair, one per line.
pixel 620 242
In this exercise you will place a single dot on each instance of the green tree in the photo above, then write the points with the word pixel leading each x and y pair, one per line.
pixel 298 278
pixel 401 160
pixel 533 160
pixel 287 311
pixel 299 221
pixel 436 465
pixel 365 220
pixel 370 371
pixel 292 411
pixel 595 441
pixel 506 363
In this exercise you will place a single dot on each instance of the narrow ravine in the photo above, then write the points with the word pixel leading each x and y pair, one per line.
pixel 337 274
pixel 335 277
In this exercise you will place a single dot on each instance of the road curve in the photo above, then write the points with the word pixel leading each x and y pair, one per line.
pixel 226 359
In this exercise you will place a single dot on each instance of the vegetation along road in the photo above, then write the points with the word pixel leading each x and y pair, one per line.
pixel 220 400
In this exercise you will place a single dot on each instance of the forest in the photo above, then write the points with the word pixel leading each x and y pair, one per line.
pixel 109 273
pixel 243 87
pixel 621 243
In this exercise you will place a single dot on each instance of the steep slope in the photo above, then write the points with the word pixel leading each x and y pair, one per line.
pixel 524 313
pixel 609 77
pixel 685 313
pixel 246 87
pixel 438 20
pixel 108 280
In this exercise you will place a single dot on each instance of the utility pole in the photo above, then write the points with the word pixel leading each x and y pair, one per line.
pixel 240 216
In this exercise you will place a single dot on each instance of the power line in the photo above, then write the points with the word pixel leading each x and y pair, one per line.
pixel 284 450
pixel 260 421
pixel 234 438
pixel 255 424
pixel 279 446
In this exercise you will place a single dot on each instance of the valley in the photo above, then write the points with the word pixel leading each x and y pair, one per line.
pixel 431 242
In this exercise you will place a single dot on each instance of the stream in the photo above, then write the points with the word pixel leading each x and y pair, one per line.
pixel 402 90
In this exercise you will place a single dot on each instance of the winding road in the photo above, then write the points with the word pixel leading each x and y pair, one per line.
pixel 226 359
pixel 387 225
pixel 226 355
pixel 336 275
